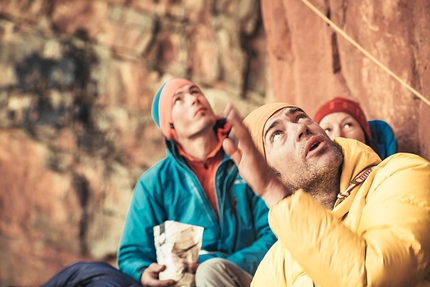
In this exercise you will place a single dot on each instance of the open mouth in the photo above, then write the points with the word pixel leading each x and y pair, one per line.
pixel 314 146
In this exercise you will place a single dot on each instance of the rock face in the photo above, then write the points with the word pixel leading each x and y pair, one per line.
pixel 78 78
pixel 311 63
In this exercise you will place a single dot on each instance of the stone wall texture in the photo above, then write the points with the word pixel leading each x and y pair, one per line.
pixel 310 63
pixel 78 78
pixel 76 132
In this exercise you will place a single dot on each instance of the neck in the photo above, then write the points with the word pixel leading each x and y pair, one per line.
pixel 325 189
pixel 201 145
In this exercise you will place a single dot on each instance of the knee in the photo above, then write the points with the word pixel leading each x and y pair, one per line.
pixel 85 265
pixel 77 266
pixel 221 272
pixel 72 273
pixel 94 268
pixel 212 267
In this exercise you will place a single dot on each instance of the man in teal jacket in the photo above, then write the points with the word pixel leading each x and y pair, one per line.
pixel 198 184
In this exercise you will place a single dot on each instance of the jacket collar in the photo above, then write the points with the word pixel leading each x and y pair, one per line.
pixel 357 157
pixel 222 128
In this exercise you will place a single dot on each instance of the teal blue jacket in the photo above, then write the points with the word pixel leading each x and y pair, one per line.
pixel 171 191
pixel 383 137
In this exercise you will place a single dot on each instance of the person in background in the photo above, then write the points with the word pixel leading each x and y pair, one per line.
pixel 197 184
pixel 341 215
pixel 342 117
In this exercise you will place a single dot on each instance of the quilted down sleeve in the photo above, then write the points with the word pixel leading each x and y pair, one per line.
pixel 391 244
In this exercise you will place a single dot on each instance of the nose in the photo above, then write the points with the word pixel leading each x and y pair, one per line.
pixel 298 130
pixel 192 99
pixel 336 132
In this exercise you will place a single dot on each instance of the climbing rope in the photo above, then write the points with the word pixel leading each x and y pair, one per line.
pixel 349 39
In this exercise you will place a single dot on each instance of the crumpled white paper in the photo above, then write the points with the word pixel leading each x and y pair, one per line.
pixel 177 245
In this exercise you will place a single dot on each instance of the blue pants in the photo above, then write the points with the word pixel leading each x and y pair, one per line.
pixel 91 274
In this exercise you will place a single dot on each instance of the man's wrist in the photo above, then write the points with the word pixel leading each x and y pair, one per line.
pixel 275 192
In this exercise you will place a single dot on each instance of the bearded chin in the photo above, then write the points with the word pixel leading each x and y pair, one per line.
pixel 306 183
pixel 316 179
pixel 321 180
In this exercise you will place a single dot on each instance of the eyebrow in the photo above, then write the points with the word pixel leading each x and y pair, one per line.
pixel 293 110
pixel 273 125
pixel 190 88
pixel 288 113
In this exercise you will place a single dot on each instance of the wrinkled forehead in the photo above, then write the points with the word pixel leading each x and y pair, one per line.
pixel 284 115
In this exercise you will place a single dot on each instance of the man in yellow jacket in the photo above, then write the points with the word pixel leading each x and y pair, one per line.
pixel 342 217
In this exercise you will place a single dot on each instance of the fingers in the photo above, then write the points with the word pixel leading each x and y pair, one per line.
pixel 232 115
pixel 235 120
pixel 149 277
pixel 250 162
pixel 156 268
pixel 239 132
pixel 231 150
pixel 230 144
pixel 164 283
pixel 228 109
pixel 151 282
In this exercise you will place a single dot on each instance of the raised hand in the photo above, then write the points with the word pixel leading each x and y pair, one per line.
pixel 251 164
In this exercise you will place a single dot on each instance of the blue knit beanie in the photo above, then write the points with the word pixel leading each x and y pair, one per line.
pixel 155 104
pixel 162 106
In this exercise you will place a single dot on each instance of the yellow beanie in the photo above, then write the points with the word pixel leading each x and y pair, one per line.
pixel 256 120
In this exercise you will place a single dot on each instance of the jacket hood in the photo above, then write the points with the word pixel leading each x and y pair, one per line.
pixel 357 157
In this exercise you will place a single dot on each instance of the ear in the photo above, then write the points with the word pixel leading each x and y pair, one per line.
pixel 172 126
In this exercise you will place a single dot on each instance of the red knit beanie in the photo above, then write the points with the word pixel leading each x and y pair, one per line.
pixel 348 106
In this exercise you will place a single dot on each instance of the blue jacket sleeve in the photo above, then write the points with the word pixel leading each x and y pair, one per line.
pixel 384 137
pixel 136 249
pixel 250 257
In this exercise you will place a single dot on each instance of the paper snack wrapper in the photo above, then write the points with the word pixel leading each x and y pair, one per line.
pixel 177 245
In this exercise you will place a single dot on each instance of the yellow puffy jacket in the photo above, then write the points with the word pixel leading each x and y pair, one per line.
pixel 377 236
